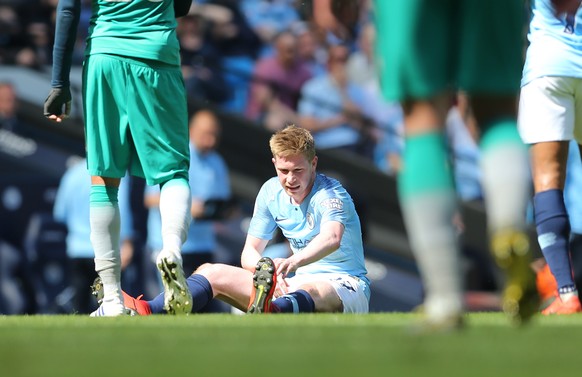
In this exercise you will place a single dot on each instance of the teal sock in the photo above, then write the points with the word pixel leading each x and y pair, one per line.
pixel 426 166
pixel 101 195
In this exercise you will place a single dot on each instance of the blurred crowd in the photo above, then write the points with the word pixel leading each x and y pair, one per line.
pixel 266 60
pixel 263 59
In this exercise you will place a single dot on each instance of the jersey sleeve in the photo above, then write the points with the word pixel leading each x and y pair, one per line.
pixel 333 207
pixel 262 224
pixel 67 21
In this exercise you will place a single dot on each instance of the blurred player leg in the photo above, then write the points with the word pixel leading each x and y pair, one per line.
pixel 493 90
pixel 506 187
pixel 418 72
pixel 428 203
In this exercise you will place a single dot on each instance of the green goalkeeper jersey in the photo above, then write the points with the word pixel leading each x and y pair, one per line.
pixel 142 29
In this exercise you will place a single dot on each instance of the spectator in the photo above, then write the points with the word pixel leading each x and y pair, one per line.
pixel 268 18
pixel 8 106
pixel 232 34
pixel 311 49
pixel 387 154
pixel 10 34
pixel 236 43
pixel 201 63
pixel 463 136
pixel 330 107
pixel 38 50
pixel 361 65
pixel 277 82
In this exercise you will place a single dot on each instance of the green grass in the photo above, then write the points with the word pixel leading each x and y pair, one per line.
pixel 284 345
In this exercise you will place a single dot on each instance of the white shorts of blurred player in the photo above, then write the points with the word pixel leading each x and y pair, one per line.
pixel 354 292
pixel 550 109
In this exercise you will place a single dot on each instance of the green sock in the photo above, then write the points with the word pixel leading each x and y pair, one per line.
pixel 426 166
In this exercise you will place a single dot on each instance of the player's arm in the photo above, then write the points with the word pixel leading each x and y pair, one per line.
pixel 251 252
pixel 58 103
pixel 326 242
pixel 338 16
pixel 181 7
pixel 566 6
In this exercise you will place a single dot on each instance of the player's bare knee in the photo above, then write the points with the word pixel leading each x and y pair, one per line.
pixel 207 270
pixel 324 297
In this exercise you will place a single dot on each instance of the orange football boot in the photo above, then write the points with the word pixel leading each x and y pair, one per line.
pixel 137 305
pixel 546 283
pixel 264 281
pixel 571 306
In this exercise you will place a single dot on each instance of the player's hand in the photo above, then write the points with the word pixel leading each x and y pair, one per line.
pixel 54 103
pixel 285 266
pixel 281 288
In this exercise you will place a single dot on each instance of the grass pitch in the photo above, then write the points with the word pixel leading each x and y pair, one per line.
pixel 284 345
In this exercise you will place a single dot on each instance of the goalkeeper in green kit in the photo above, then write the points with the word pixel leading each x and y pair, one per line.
pixel 135 120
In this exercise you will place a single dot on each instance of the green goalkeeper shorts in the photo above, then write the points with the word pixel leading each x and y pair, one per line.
pixel 427 46
pixel 136 119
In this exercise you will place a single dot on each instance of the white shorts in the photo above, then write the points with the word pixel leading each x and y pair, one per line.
pixel 550 109
pixel 354 292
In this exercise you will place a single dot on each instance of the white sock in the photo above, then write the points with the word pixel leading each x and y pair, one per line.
pixel 506 186
pixel 175 204
pixel 566 296
pixel 429 221
pixel 105 227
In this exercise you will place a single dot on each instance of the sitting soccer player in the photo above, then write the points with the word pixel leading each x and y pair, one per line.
pixel 326 272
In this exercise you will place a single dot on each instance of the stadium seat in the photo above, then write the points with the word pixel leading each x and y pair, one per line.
pixel 45 248
pixel 13 297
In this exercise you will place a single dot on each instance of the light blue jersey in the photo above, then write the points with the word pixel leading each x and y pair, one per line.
pixel 208 175
pixel 327 201
pixel 544 56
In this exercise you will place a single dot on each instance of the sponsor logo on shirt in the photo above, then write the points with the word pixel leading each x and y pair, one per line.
pixel 333 203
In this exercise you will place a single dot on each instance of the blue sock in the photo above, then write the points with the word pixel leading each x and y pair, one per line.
pixel 200 289
pixel 295 302
pixel 553 228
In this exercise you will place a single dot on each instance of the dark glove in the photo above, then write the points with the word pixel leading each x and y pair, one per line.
pixel 57 98
pixel 181 7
